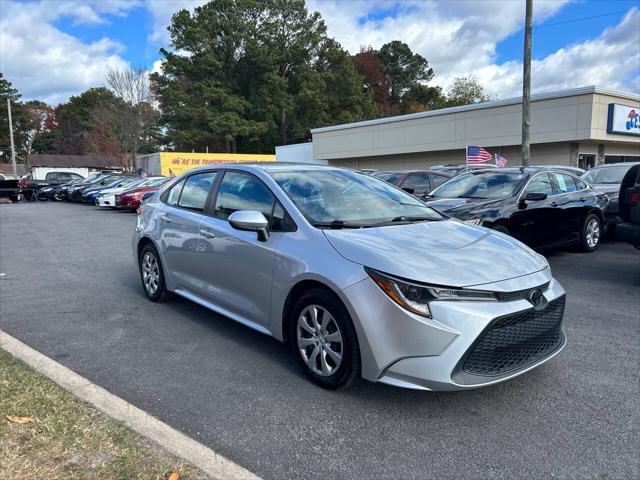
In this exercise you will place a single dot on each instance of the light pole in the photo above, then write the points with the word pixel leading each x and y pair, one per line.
pixel 526 84
pixel 13 149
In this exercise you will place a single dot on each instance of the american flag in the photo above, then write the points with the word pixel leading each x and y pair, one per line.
pixel 478 155
pixel 500 161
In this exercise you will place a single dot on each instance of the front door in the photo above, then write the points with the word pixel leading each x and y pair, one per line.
pixel 586 161
pixel 236 267
pixel 533 221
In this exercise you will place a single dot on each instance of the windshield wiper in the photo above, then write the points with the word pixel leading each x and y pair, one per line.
pixel 337 225
pixel 467 196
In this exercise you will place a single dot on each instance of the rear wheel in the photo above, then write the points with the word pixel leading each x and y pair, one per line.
pixel 152 275
pixel 591 233
pixel 324 340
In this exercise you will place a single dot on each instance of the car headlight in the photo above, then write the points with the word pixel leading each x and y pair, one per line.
pixel 474 221
pixel 416 297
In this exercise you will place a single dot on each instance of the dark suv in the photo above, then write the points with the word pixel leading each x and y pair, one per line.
pixel 629 229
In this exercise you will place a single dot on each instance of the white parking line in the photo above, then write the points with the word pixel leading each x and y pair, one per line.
pixel 176 443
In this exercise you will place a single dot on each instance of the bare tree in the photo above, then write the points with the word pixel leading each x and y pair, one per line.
pixel 136 114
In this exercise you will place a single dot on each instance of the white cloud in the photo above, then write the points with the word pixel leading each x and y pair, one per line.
pixel 47 64
pixel 162 17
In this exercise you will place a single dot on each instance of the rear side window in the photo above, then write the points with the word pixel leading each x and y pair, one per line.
pixel 241 191
pixel 564 183
pixel 580 185
pixel 540 183
pixel 173 194
pixel 195 191
pixel 418 181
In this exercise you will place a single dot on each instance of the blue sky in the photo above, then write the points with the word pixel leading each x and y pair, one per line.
pixel 52 49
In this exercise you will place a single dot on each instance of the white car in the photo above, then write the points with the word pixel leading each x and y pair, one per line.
pixel 107 198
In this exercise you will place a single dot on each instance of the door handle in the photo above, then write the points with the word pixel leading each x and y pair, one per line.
pixel 165 218
pixel 554 204
pixel 582 199
pixel 207 233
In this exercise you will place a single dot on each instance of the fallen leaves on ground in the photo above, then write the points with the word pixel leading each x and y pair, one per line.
pixel 20 420
pixel 174 476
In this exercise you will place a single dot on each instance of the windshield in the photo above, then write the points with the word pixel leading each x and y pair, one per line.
pixel 343 198
pixel 480 185
pixel 606 174
pixel 391 177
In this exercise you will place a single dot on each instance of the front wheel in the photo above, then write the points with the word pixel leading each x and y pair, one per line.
pixel 152 275
pixel 324 340
pixel 591 233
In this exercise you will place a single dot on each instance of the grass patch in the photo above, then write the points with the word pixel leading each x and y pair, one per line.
pixel 68 438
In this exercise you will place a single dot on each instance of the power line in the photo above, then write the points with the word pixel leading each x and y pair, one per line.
pixel 580 19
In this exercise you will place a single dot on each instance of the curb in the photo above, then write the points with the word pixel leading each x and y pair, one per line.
pixel 144 424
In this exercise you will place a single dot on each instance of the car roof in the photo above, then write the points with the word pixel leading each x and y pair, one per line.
pixel 615 165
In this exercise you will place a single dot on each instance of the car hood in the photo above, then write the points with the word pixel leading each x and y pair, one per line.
pixel 446 252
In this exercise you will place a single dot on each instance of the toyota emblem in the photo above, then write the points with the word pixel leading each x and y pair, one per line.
pixel 535 297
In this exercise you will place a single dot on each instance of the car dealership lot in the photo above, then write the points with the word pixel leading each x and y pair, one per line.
pixel 72 291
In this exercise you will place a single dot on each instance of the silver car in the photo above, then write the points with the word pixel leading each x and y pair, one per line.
pixel 358 277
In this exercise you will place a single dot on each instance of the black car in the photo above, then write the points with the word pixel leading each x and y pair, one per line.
pixel 416 182
pixel 629 229
pixel 541 208
pixel 607 179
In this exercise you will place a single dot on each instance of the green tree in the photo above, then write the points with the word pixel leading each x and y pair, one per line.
pixel 403 69
pixel 465 91
pixel 247 75
pixel 22 123
pixel 420 98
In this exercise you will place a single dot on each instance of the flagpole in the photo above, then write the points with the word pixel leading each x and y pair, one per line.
pixel 466 156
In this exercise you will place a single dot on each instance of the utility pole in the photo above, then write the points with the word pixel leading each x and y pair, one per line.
pixel 526 84
pixel 13 149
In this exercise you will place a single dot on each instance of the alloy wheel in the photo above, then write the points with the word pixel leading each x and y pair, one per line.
pixel 593 232
pixel 319 340
pixel 150 273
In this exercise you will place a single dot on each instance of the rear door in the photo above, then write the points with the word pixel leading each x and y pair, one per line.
pixel 235 267
pixel 570 204
pixel 179 225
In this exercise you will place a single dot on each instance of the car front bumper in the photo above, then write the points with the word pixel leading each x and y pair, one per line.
pixel 452 350
pixel 106 201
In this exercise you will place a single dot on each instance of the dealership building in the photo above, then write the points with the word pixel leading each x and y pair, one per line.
pixel 579 127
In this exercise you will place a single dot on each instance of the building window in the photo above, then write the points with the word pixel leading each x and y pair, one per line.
pixel 621 158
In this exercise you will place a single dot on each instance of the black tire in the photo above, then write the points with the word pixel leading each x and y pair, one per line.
pixel 585 245
pixel 501 229
pixel 348 370
pixel 14 199
pixel 160 293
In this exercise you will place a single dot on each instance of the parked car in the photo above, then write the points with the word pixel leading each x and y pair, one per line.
pixel 60 192
pixel 130 199
pixel 10 188
pixel 31 187
pixel 107 197
pixel 629 229
pixel 607 179
pixel 454 170
pixel 74 193
pixel 52 192
pixel 90 195
pixel 538 207
pixel 415 182
pixel 357 276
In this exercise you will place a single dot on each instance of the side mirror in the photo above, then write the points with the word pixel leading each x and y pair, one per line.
pixel 250 221
pixel 409 190
pixel 535 197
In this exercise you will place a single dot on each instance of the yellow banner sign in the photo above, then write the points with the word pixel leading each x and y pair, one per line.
pixel 174 163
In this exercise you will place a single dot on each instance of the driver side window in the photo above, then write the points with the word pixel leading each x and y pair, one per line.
pixel 540 183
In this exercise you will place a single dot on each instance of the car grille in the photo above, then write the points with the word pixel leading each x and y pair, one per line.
pixel 514 341
pixel 519 294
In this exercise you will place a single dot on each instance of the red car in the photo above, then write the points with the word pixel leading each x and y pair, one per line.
pixel 131 199
pixel 416 182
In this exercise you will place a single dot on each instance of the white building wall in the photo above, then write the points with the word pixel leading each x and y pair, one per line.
pixel 297 153
pixel 40 173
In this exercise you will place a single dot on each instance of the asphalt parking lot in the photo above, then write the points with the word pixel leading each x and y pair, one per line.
pixel 71 290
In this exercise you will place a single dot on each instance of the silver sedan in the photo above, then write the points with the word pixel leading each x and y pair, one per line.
pixel 357 277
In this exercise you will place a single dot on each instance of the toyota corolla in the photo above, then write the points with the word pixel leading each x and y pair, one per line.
pixel 357 277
